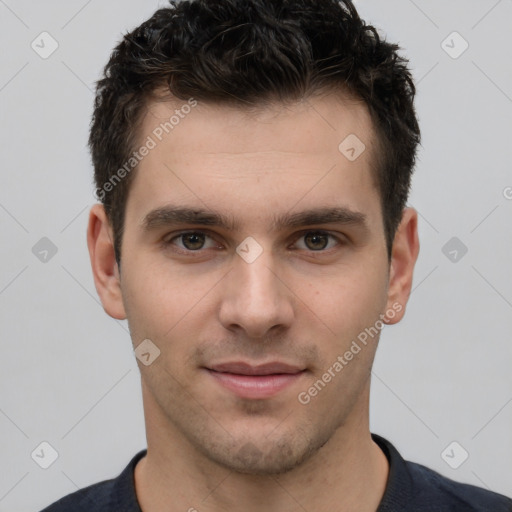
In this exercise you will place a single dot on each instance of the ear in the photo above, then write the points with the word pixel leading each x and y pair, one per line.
pixel 103 262
pixel 403 258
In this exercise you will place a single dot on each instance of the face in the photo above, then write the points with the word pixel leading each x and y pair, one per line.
pixel 253 258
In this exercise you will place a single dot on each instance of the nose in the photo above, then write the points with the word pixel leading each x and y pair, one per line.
pixel 255 298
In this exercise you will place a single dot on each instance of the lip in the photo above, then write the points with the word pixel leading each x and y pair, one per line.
pixel 255 382
pixel 242 368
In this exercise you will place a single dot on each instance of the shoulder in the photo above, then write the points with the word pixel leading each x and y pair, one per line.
pixel 95 498
pixel 412 486
pixel 107 496
pixel 437 492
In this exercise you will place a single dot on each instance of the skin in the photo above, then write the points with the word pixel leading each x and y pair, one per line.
pixel 208 448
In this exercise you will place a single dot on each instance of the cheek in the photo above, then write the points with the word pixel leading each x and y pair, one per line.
pixel 349 299
pixel 152 302
pixel 162 303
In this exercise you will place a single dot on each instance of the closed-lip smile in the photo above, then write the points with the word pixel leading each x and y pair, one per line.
pixel 255 381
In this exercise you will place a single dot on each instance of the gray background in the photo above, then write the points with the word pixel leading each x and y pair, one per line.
pixel 68 374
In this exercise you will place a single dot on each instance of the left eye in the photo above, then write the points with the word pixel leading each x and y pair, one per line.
pixel 192 241
pixel 317 241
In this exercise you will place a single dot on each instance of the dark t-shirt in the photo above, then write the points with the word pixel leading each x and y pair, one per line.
pixel 411 487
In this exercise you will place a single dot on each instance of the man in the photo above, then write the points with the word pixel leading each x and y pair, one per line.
pixel 253 160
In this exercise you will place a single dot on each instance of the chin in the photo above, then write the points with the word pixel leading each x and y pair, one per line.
pixel 264 457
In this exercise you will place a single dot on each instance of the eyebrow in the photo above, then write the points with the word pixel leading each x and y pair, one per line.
pixel 175 215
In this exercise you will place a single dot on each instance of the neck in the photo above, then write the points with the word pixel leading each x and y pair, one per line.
pixel 348 473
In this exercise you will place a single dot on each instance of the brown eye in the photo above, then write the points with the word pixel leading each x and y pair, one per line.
pixel 192 241
pixel 192 244
pixel 315 241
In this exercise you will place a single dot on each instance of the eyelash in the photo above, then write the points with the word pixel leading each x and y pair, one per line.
pixel 302 234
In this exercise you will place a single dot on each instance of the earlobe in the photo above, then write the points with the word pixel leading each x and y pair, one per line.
pixel 403 258
pixel 103 263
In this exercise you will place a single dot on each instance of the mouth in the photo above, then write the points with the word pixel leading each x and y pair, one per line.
pixel 255 381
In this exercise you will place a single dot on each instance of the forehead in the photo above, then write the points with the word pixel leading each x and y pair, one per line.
pixel 324 119
pixel 276 156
